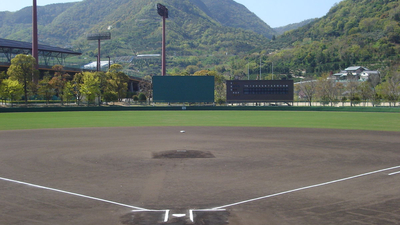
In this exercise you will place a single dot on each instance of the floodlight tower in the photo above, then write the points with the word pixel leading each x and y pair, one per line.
pixel 35 43
pixel 99 37
pixel 163 11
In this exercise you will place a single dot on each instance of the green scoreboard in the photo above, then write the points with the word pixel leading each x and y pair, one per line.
pixel 183 89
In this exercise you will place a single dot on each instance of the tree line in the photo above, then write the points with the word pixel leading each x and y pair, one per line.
pixel 328 91
pixel 21 81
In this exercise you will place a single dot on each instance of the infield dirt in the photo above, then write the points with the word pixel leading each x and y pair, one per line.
pixel 118 165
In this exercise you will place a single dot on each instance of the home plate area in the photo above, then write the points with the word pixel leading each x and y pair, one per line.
pixel 177 217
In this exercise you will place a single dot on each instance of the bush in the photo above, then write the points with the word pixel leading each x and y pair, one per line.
pixel 220 101
pixel 142 97
pixel 110 97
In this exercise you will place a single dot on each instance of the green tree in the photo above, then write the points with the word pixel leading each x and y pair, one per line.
pixel 3 76
pixel 68 91
pixel 23 69
pixel 142 97
pixel 118 81
pixel 11 89
pixel 90 87
pixel 77 83
pixel 110 96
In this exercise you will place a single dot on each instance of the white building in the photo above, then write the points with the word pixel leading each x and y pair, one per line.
pixel 355 73
pixel 93 65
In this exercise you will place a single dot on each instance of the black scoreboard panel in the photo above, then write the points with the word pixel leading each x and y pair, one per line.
pixel 259 90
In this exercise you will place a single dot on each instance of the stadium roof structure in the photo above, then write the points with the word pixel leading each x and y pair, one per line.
pixel 10 48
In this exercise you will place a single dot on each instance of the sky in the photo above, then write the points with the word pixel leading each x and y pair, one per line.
pixel 275 13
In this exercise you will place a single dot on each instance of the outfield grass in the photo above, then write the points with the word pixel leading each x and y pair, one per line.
pixel 332 120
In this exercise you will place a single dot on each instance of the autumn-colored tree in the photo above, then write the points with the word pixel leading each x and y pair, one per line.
pixel 46 89
pixel 59 80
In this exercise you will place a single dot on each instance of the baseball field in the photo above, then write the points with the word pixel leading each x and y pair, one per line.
pixel 199 167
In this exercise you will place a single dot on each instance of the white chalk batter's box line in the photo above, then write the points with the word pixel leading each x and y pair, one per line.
pixel 220 208
pixel 191 213
pixel 395 173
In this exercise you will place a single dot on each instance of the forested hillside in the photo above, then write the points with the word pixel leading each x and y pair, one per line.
pixel 354 32
pixel 220 35
pixel 18 25
pixel 293 26
pixel 197 28
pixel 232 14
pixel 63 24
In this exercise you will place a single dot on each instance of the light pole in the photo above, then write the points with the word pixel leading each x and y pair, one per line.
pixel 109 62
pixel 248 71
pixel 272 70
pixel 260 67
pixel 35 42
pixel 99 37
pixel 163 11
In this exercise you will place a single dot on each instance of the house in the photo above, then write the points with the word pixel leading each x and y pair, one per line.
pixel 357 73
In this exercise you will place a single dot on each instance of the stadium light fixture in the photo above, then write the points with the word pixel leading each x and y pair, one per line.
pixel 163 12
pixel 99 37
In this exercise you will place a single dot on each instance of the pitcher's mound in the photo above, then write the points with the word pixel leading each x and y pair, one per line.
pixel 193 154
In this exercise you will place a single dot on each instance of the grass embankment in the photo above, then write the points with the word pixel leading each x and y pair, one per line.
pixel 330 120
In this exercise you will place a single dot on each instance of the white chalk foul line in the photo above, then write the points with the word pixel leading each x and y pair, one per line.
pixel 71 193
pixel 391 174
pixel 308 187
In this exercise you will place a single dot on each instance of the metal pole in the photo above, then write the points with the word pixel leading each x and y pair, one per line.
pixel 272 70
pixel 35 42
pixel 98 56
pixel 260 67
pixel 248 71
pixel 163 48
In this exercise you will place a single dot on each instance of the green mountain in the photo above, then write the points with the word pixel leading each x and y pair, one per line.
pixel 64 24
pixel 232 14
pixel 293 26
pixel 354 32
pixel 198 28
pixel 18 25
